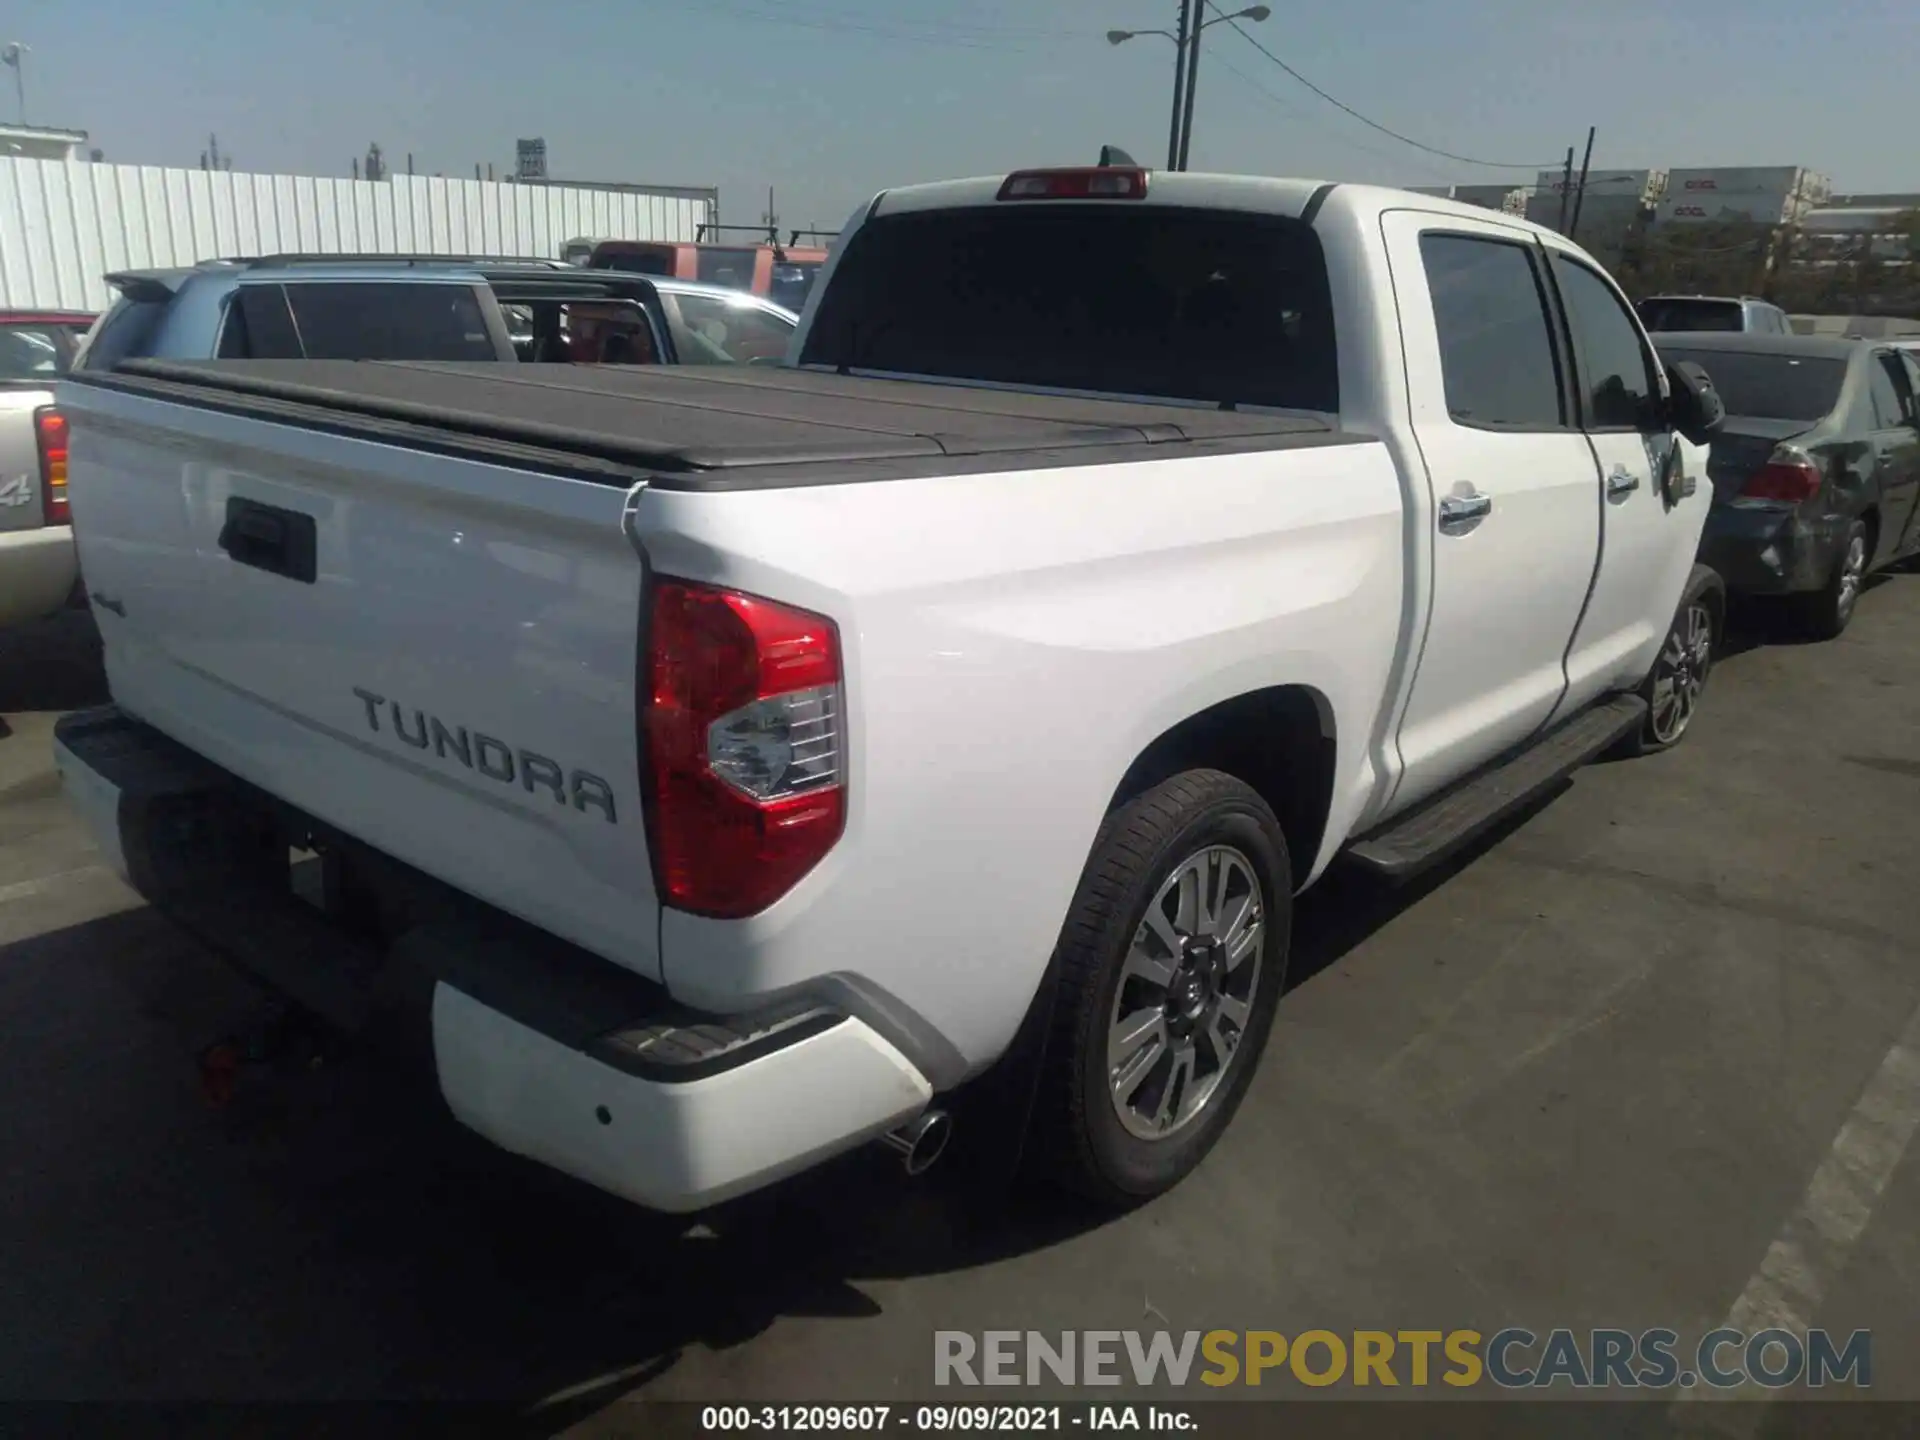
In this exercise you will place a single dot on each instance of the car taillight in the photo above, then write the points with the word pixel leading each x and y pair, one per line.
pixel 1106 182
pixel 744 748
pixel 1788 477
pixel 50 427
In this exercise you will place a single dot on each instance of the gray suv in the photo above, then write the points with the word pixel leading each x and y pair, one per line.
pixel 1724 313
pixel 385 307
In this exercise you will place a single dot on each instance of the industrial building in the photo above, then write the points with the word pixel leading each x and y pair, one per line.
pixel 1762 194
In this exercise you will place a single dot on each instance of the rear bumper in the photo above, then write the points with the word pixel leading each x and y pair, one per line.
pixel 37 572
pixel 1769 551
pixel 545 1050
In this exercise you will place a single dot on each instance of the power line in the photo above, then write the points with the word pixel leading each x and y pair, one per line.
pixel 1244 34
pixel 1295 114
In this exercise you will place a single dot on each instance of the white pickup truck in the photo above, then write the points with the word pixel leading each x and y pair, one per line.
pixel 746 758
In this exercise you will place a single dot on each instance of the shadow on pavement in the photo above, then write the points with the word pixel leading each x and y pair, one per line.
pixel 51 664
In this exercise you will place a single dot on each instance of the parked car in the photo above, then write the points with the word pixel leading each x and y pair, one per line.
pixel 1725 313
pixel 428 308
pixel 37 572
pixel 1816 476
pixel 1005 665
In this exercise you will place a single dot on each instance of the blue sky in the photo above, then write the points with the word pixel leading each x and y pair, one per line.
pixel 829 100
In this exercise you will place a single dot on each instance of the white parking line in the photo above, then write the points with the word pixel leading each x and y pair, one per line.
pixel 1814 1245
pixel 27 889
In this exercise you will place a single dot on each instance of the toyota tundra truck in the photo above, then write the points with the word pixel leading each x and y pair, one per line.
pixel 740 760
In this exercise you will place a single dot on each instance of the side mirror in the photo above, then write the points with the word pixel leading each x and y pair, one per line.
pixel 1695 407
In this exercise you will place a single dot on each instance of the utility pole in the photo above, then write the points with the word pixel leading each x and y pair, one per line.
pixel 1180 43
pixel 1580 192
pixel 1566 191
pixel 1199 8
pixel 1186 66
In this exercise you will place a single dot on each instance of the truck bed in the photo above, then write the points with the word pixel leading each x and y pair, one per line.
pixel 698 428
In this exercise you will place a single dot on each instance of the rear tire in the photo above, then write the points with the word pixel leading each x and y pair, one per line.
pixel 1678 679
pixel 1177 939
pixel 1825 614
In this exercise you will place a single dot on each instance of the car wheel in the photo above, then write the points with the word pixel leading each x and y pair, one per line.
pixel 1169 967
pixel 1826 612
pixel 1674 686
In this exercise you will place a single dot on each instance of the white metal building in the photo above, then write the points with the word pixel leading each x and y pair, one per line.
pixel 64 225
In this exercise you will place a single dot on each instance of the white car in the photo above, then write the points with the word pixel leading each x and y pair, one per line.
pixel 748 755
pixel 38 572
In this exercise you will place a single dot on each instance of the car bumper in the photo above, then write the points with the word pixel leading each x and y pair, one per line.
pixel 38 570
pixel 548 1052
pixel 1769 551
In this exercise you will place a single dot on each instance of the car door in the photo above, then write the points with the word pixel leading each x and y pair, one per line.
pixel 1896 452
pixel 1513 527
pixel 1647 541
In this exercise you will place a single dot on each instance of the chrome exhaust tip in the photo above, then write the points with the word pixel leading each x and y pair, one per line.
pixel 921 1141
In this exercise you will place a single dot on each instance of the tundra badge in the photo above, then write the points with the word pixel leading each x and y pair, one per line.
pixel 492 758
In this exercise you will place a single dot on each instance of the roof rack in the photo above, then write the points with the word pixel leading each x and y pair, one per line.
pixel 368 258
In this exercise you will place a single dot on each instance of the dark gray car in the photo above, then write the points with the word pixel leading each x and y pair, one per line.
pixel 1816 476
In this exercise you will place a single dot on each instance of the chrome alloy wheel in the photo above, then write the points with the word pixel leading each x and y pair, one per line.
pixel 1853 573
pixel 1185 994
pixel 1680 673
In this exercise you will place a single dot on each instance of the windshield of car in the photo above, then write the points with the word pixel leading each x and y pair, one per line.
pixel 1770 387
pixel 1664 313
pixel 1177 304
pixel 38 349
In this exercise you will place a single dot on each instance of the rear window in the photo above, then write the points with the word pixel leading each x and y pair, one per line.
pixel 1129 300
pixel 1770 387
pixel 648 260
pixel 39 350
pixel 722 266
pixel 377 320
pixel 791 283
pixel 129 331
pixel 1724 315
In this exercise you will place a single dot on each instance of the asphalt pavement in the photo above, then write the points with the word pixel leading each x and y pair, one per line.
pixel 1607 1070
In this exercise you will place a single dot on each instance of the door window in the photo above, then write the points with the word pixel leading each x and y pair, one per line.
pixel 1617 379
pixel 715 332
pixel 1892 400
pixel 1496 345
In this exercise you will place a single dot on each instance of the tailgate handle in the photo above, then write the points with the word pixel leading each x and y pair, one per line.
pixel 280 542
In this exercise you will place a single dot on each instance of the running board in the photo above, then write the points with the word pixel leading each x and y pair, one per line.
pixel 1438 828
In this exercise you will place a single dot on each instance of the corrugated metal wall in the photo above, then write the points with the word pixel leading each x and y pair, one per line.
pixel 65 224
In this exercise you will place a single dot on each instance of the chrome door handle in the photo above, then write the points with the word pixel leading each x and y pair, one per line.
pixel 1460 513
pixel 1620 484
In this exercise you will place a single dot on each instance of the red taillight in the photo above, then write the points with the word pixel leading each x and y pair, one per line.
pixel 50 426
pixel 1106 182
pixel 744 747
pixel 1788 477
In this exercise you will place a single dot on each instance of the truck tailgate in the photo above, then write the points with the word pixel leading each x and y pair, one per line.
pixel 435 654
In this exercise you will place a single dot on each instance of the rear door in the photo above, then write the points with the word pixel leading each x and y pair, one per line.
pixel 1648 538
pixel 1515 503
pixel 1896 451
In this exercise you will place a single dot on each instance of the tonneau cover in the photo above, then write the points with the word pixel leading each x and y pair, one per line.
pixel 694 419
